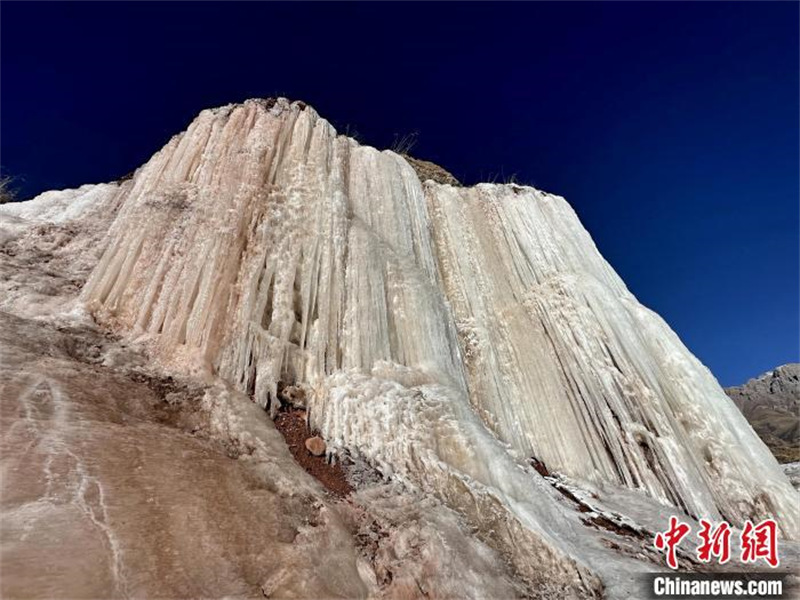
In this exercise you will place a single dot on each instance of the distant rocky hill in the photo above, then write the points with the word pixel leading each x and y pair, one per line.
pixel 771 403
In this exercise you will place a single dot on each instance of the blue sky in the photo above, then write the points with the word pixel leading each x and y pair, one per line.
pixel 672 128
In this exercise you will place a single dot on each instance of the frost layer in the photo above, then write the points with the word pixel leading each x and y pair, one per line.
pixel 261 246
pixel 60 206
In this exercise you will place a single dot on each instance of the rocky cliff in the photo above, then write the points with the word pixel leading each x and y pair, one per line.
pixel 771 403
pixel 451 338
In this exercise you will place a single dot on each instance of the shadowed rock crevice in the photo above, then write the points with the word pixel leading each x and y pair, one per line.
pixel 291 422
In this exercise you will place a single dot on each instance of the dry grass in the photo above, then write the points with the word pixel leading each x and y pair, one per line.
pixel 7 192
pixel 404 144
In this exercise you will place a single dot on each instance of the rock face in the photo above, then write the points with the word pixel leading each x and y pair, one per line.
pixel 104 483
pixel 771 403
pixel 448 336
pixel 427 170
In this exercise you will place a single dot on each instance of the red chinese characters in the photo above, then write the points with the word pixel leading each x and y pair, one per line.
pixel 760 541
pixel 670 540
pixel 757 542
pixel 714 542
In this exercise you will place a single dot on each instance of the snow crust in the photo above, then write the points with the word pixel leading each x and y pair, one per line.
pixel 792 471
pixel 446 334
pixel 59 206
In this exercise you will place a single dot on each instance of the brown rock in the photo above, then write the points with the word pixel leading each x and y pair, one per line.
pixel 540 467
pixel 316 445
pixel 428 170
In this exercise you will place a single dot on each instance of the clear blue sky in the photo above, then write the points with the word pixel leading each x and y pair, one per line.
pixel 672 128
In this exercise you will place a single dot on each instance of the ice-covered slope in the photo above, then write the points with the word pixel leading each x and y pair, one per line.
pixel 566 365
pixel 61 206
pixel 447 334
pixel 50 244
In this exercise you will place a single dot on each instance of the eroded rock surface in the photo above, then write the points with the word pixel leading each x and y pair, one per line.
pixel 771 403
pixel 115 484
pixel 427 170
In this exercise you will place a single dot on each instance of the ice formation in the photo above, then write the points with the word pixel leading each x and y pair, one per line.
pixel 446 334
pixel 61 206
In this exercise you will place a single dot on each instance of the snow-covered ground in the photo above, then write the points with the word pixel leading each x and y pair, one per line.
pixel 60 206
pixel 792 471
